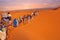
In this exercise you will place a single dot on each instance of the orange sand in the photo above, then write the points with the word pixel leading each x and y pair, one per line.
pixel 45 26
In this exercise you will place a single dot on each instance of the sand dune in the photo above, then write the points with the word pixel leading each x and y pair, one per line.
pixel 44 26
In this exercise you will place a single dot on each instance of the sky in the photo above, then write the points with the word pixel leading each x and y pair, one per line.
pixel 27 4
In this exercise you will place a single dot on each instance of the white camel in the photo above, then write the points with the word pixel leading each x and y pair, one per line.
pixel 3 34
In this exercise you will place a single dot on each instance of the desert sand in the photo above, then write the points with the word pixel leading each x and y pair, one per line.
pixel 44 26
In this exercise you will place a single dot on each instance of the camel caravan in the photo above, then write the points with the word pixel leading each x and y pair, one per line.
pixel 6 21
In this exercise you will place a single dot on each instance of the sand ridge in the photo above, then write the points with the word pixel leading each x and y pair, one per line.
pixel 45 26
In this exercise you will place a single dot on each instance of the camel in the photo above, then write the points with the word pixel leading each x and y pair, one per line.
pixel 3 34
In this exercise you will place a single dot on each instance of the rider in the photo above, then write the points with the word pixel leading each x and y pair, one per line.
pixel 4 16
pixel 9 16
pixel 15 22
